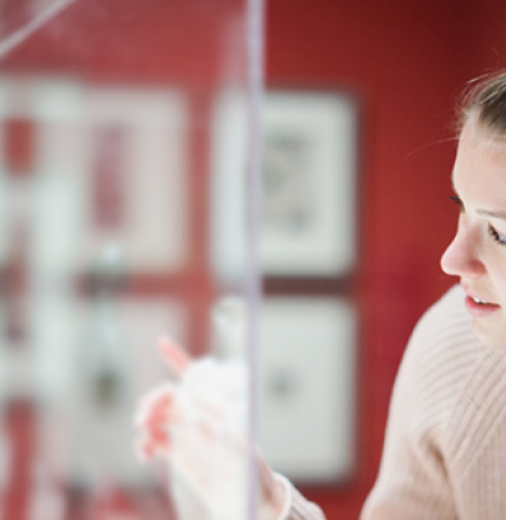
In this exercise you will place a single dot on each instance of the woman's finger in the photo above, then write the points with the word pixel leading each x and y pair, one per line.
pixel 175 357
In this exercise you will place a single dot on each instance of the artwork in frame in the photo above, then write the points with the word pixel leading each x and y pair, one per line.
pixel 309 184
pixel 308 215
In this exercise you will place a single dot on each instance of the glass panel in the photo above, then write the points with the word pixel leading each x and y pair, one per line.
pixel 111 115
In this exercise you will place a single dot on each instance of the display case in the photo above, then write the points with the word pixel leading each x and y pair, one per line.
pixel 135 149
pixel 105 131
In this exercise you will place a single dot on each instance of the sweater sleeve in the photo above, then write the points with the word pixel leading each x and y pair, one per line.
pixel 296 507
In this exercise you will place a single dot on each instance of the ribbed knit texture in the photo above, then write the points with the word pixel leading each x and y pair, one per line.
pixel 298 507
pixel 445 446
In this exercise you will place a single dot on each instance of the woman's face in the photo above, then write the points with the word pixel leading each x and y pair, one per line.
pixel 477 254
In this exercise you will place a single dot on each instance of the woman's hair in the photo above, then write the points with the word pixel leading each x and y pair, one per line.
pixel 485 99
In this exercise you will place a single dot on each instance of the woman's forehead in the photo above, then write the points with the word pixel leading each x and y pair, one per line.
pixel 479 173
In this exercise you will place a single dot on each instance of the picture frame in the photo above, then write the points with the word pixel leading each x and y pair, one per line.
pixel 309 185
pixel 307 385
pixel 116 156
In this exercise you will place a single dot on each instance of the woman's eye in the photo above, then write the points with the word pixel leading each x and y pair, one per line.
pixel 496 236
pixel 456 199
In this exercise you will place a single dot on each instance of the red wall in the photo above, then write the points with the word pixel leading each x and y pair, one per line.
pixel 405 62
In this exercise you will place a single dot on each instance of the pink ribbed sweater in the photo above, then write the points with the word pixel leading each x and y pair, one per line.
pixel 445 446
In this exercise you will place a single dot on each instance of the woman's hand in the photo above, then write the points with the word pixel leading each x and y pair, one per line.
pixel 198 423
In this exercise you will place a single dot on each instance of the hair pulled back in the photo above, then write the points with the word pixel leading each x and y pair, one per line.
pixel 486 100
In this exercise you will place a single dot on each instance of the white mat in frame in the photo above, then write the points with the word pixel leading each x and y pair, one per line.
pixel 307 387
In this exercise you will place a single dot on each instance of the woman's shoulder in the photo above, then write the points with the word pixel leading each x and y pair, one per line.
pixel 441 353
pixel 447 314
pixel 457 382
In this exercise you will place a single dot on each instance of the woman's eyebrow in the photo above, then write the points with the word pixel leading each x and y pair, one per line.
pixel 484 212
pixel 492 214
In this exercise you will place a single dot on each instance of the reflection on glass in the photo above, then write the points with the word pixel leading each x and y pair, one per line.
pixel 105 180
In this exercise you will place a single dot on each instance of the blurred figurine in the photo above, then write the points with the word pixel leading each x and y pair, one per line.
pixel 198 423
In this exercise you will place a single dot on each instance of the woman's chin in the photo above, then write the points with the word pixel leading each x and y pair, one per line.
pixel 489 332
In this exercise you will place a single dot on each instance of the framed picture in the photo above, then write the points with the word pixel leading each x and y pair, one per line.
pixel 115 159
pixel 308 217
pixel 307 387
pixel 309 177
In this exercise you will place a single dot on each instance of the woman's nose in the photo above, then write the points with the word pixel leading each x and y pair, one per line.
pixel 461 257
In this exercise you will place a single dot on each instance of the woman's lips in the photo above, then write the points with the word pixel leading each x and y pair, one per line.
pixel 480 310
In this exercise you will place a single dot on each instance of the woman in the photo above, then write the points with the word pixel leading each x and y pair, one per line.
pixel 445 445
pixel 445 448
